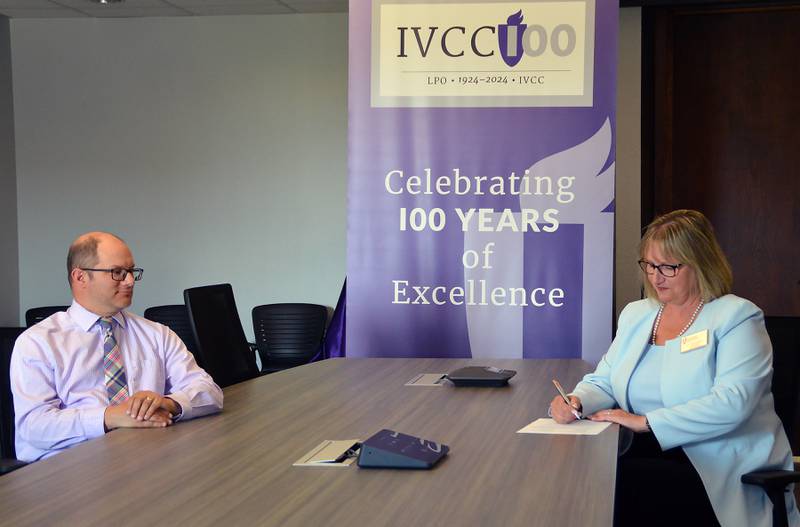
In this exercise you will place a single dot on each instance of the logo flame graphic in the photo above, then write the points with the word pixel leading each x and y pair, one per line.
pixel 515 19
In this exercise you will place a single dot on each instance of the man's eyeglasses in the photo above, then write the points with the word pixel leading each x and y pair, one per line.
pixel 665 269
pixel 119 274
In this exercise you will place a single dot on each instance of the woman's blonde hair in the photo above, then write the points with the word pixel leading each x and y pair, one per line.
pixel 688 236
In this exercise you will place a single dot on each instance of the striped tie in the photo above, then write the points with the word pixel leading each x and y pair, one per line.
pixel 116 382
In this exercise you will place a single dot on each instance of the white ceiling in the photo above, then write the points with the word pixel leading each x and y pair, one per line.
pixel 144 8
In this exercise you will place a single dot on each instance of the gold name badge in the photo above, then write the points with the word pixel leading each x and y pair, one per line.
pixel 694 341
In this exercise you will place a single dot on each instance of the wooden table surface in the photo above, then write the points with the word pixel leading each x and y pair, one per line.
pixel 235 468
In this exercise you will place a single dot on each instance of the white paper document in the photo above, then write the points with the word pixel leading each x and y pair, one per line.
pixel 427 379
pixel 330 454
pixel 584 427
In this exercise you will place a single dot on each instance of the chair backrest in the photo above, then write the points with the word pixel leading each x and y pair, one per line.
pixel 218 332
pixel 784 332
pixel 36 314
pixel 289 334
pixel 175 317
pixel 7 338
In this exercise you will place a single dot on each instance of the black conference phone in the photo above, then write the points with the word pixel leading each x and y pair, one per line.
pixel 390 449
pixel 480 376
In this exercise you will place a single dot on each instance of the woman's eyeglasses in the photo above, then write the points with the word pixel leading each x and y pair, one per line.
pixel 665 269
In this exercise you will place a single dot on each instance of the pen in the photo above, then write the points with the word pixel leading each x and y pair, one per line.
pixel 566 399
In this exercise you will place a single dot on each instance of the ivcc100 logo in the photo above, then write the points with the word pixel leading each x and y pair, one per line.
pixel 513 40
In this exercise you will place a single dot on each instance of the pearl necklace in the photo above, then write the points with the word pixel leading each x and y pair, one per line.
pixel 658 321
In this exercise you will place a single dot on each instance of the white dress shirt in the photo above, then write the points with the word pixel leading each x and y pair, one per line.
pixel 59 387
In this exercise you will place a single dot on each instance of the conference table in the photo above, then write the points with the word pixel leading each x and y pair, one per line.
pixel 235 468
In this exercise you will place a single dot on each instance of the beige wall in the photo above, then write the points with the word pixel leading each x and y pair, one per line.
pixel 9 266
pixel 629 153
pixel 216 146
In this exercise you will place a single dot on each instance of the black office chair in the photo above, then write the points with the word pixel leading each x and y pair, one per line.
pixel 176 317
pixel 8 461
pixel 221 344
pixel 36 314
pixel 288 335
pixel 784 332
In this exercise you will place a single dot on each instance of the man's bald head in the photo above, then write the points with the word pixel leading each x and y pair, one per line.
pixel 83 251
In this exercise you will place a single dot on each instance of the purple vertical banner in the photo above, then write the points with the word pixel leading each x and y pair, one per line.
pixel 481 178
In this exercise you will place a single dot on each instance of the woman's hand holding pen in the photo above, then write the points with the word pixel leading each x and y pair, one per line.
pixel 561 413
pixel 637 423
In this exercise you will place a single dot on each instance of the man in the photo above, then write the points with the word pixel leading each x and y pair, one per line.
pixel 81 373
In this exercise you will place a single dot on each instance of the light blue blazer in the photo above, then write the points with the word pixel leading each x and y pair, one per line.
pixel 717 398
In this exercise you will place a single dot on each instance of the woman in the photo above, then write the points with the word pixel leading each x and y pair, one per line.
pixel 689 371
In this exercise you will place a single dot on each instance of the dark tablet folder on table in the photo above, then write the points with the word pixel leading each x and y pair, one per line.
pixel 390 449
pixel 480 376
